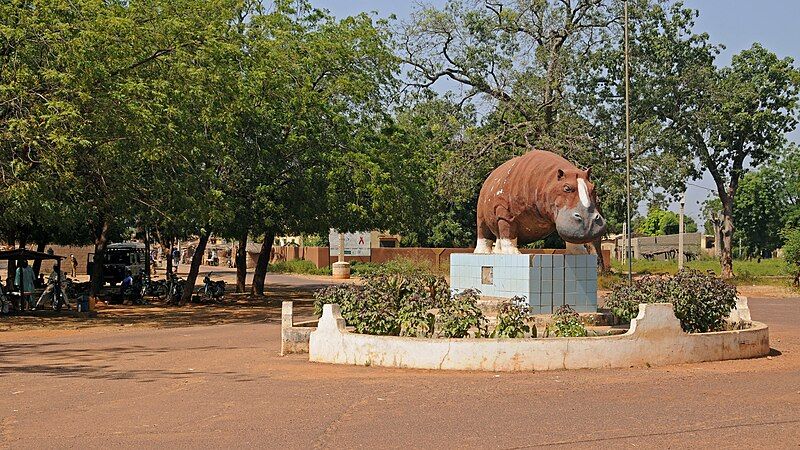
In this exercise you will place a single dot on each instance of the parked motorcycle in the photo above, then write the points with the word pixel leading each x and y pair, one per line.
pixel 211 290
pixel 175 287
pixel 56 297
pixel 6 306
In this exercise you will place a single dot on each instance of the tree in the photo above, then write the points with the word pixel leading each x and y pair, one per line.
pixel 759 211
pixel 310 92
pixel 719 117
pixel 791 252
pixel 659 222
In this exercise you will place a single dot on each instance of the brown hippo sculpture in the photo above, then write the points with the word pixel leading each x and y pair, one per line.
pixel 528 197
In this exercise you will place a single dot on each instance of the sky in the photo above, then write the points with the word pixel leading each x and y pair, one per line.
pixel 737 24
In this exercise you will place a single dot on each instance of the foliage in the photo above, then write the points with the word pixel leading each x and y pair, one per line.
pixel 391 304
pixel 759 210
pixel 400 266
pixel 701 302
pixel 567 323
pixel 771 267
pixel 461 314
pixel 719 116
pixel 659 222
pixel 791 251
pixel 512 319
pixel 300 266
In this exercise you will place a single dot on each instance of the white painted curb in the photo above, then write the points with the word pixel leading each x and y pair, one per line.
pixel 654 338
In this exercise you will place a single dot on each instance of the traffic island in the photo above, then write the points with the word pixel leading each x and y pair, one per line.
pixel 655 338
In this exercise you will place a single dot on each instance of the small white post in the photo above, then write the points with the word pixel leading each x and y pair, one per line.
pixel 341 268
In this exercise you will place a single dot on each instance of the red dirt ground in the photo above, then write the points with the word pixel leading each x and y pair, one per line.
pixel 158 384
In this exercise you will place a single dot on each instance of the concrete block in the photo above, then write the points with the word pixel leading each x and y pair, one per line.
pixel 546 286
pixel 546 260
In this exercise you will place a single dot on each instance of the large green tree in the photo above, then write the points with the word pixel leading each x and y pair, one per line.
pixel 723 117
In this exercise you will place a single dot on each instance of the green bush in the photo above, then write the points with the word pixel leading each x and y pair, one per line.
pixel 300 266
pixel 461 314
pixel 400 266
pixel 511 319
pixel 398 305
pixel 567 323
pixel 701 302
pixel 791 253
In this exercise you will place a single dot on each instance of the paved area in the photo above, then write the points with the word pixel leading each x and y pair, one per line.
pixel 225 385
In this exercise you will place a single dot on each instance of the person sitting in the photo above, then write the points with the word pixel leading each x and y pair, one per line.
pixel 126 282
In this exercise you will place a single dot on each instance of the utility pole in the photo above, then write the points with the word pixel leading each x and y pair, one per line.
pixel 628 152
pixel 680 232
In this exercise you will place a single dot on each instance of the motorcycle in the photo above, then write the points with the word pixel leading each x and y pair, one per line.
pixel 211 290
pixel 175 287
pixel 6 306
pixel 57 299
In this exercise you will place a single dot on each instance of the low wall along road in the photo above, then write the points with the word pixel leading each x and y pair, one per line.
pixel 654 338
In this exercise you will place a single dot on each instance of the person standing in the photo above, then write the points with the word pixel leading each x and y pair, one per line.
pixel 23 279
pixel 176 257
pixel 73 261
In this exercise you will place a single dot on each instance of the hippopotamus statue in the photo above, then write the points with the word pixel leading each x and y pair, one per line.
pixel 528 197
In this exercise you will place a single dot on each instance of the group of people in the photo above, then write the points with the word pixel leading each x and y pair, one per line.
pixel 26 282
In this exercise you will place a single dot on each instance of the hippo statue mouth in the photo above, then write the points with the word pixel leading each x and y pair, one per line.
pixel 580 225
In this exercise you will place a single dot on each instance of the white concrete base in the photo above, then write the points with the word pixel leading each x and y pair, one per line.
pixel 341 270
pixel 654 338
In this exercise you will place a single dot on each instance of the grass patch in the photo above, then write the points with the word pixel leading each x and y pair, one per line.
pixel 402 266
pixel 299 266
pixel 743 269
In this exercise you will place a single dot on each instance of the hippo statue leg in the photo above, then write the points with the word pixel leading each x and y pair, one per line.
pixel 485 238
pixel 506 236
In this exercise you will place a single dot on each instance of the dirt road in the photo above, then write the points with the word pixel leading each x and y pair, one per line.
pixel 224 385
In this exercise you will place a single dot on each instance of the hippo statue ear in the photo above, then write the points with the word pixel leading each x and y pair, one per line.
pixel 560 174
pixel 589 174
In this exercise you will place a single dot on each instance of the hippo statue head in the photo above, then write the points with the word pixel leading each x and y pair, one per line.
pixel 577 219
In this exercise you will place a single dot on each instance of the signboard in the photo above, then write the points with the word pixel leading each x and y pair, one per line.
pixel 355 244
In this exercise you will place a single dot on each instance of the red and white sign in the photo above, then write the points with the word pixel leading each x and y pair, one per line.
pixel 355 244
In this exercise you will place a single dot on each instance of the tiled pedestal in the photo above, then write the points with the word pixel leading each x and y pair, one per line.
pixel 547 281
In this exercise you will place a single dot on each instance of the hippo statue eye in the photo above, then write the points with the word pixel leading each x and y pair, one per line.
pixel 568 188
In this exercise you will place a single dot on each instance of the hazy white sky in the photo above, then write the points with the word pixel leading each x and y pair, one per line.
pixel 735 23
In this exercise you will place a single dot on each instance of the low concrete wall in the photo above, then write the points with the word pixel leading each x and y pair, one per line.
pixel 654 338
pixel 293 339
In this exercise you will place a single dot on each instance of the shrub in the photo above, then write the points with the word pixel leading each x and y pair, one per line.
pixel 399 266
pixel 511 319
pixel 344 295
pixel 300 266
pixel 701 302
pixel 791 253
pixel 461 314
pixel 567 323
pixel 389 304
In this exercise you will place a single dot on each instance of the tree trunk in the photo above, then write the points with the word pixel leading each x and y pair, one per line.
pixel 169 256
pixel 147 259
pixel 260 275
pixel 12 265
pixel 100 245
pixel 37 265
pixel 241 262
pixel 194 268
pixel 726 249
pixel 596 247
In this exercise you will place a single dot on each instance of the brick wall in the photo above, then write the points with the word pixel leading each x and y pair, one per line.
pixel 435 256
